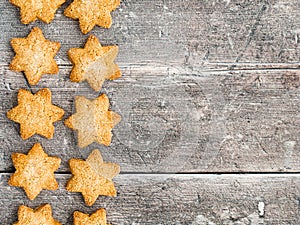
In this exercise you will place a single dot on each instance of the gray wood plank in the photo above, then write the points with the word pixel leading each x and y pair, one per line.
pixel 176 120
pixel 182 111
pixel 170 199
pixel 211 34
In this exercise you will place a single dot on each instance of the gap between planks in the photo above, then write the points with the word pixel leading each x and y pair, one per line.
pixel 197 174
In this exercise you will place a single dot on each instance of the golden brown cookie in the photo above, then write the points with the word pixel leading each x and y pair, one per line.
pixel 91 13
pixel 35 113
pixel 34 171
pixel 39 9
pixel 34 56
pixel 40 215
pixel 91 180
pixel 93 121
pixel 97 218
pixel 94 63
pixel 106 169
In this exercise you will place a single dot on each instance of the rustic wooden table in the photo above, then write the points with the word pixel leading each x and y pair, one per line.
pixel 209 100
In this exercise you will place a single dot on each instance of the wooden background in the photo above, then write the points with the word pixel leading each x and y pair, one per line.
pixel 209 100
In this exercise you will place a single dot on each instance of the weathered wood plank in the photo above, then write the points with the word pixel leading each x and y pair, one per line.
pixel 182 111
pixel 211 34
pixel 177 120
pixel 180 199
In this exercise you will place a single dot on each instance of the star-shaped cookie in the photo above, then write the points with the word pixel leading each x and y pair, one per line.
pixel 92 180
pixel 34 171
pixel 91 13
pixel 93 121
pixel 35 113
pixel 94 63
pixel 40 215
pixel 34 56
pixel 97 218
pixel 39 9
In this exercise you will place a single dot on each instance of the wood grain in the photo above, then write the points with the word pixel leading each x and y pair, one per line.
pixel 174 199
pixel 176 121
pixel 211 34
pixel 208 86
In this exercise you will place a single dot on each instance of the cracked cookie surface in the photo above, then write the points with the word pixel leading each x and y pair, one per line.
pixel 40 215
pixel 91 180
pixel 93 120
pixel 34 56
pixel 34 171
pixel 39 9
pixel 35 113
pixel 94 63
pixel 91 13
pixel 97 218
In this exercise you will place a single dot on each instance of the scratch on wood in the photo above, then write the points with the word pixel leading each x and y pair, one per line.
pixel 251 33
pixel 261 146
pixel 7 85
pixel 290 80
pixel 261 209
pixel 230 41
pixel 289 146
pixel 141 157
pixel 199 198
pixel 202 220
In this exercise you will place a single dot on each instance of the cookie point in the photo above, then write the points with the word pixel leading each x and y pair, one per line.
pixel 37 145
pixel 37 30
pixel 47 91
pixel 92 36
